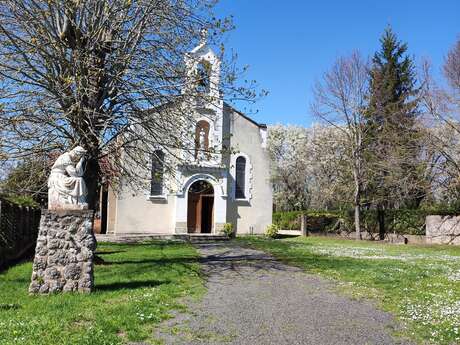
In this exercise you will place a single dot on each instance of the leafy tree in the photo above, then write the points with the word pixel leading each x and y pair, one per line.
pixel 106 75
pixel 393 140
pixel 27 179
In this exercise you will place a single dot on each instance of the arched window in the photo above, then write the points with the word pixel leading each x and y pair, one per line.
pixel 203 73
pixel 201 139
pixel 156 185
pixel 240 178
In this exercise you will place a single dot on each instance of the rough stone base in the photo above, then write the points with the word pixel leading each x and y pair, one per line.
pixel 64 253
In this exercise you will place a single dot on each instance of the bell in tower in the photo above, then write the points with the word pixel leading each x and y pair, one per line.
pixel 203 69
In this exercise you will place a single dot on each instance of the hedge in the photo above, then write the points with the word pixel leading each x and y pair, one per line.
pixel 290 220
pixel 401 221
pixel 21 200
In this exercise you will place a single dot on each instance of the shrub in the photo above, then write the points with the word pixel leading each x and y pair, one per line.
pixel 228 229
pixel 287 220
pixel 406 221
pixel 317 221
pixel 22 201
pixel 272 231
pixel 401 221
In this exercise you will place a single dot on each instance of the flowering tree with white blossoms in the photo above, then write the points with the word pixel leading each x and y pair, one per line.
pixel 308 167
pixel 340 101
pixel 290 170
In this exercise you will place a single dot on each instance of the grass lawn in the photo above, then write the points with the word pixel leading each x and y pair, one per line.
pixel 137 287
pixel 420 285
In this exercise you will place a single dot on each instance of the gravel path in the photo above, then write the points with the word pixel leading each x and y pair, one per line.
pixel 254 299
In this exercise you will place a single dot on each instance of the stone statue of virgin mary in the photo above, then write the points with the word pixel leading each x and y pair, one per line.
pixel 66 186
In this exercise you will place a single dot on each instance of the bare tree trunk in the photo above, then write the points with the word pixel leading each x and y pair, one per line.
pixel 358 220
pixel 340 100
pixel 303 224
pixel 381 220
pixel 357 201
pixel 92 179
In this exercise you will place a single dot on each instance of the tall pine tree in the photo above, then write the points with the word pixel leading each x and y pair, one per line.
pixel 393 146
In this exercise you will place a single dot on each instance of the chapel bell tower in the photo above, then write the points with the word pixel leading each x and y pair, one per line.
pixel 203 85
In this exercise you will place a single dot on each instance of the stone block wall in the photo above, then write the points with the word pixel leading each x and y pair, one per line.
pixel 64 253
pixel 443 230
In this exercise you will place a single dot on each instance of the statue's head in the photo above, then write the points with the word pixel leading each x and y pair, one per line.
pixel 77 152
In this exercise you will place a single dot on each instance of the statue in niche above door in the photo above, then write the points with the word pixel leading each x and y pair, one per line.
pixel 202 140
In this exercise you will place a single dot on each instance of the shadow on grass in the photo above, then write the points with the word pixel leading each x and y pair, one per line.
pixel 102 252
pixel 224 257
pixel 130 285
pixel 357 269
pixel 215 264
pixel 281 236
pixel 150 244
pixel 28 256
pixel 156 262
pixel 292 253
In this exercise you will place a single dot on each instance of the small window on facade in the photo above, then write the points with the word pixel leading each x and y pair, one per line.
pixel 240 182
pixel 156 187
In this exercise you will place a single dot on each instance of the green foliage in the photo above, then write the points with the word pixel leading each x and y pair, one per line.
pixel 287 220
pixel 406 221
pixel 228 229
pixel 392 139
pixel 443 209
pixel 137 288
pixel 418 284
pixel 27 181
pixel 400 221
pixel 24 200
pixel 316 220
pixel 272 231
pixel 393 74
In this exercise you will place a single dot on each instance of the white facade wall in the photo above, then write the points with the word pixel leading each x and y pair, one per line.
pixel 139 213
pixel 253 214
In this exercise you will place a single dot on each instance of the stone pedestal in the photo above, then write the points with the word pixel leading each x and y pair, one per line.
pixel 64 253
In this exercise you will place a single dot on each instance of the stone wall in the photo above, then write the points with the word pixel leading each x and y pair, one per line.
pixel 64 253
pixel 443 230
pixel 391 238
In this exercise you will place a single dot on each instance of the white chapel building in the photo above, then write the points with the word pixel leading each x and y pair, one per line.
pixel 207 190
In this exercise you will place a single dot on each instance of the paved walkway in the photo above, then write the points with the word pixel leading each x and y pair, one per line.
pixel 255 300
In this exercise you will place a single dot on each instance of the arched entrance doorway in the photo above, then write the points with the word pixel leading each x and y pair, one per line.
pixel 200 215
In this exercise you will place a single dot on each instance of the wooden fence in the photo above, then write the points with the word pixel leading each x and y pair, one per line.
pixel 18 230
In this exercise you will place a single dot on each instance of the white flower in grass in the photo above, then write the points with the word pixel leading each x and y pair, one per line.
pixel 454 276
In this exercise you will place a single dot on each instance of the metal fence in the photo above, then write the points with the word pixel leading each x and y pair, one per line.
pixel 18 230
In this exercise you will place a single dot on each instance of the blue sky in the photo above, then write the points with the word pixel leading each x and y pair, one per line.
pixel 289 44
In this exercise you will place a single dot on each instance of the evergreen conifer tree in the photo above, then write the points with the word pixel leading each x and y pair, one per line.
pixel 393 144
